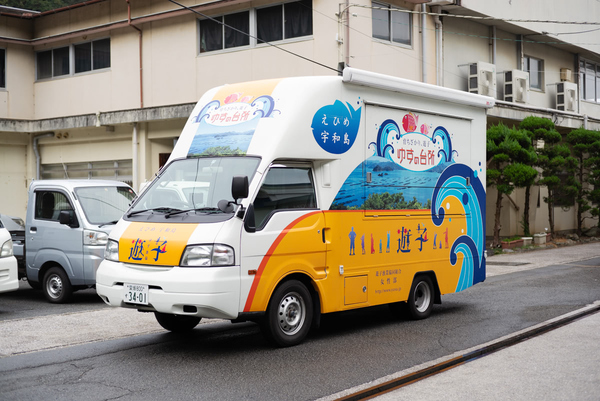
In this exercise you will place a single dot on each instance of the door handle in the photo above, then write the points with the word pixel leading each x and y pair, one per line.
pixel 33 230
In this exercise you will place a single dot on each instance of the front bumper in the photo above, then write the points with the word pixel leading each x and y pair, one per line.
pixel 211 292
pixel 9 280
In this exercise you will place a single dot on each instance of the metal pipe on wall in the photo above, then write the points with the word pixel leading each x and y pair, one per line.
pixel 140 52
pixel 439 46
pixel 134 162
pixel 423 44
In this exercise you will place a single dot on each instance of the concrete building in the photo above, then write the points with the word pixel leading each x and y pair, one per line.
pixel 101 89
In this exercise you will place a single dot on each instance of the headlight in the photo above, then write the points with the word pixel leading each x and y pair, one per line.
pixel 94 237
pixel 111 252
pixel 207 255
pixel 7 249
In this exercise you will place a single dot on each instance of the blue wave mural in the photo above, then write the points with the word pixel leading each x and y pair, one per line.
pixel 453 182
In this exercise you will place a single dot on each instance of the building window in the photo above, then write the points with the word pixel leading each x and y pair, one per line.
pixel 120 170
pixel 87 56
pixel 92 55
pixel 535 68
pixel 590 81
pixel 390 25
pixel 3 68
pixel 284 21
pixel 53 63
pixel 280 22
pixel 221 35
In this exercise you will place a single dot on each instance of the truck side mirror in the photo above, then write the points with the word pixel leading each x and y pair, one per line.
pixel 239 187
pixel 249 222
pixel 67 217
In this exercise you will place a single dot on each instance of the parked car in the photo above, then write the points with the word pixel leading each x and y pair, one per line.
pixel 16 228
pixel 67 225
pixel 9 280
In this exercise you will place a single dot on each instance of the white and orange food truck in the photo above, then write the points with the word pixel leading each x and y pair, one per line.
pixel 286 199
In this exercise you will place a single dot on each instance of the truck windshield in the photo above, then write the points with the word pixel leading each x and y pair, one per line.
pixel 105 204
pixel 194 185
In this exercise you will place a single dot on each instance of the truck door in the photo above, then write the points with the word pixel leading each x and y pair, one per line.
pixel 289 233
pixel 48 240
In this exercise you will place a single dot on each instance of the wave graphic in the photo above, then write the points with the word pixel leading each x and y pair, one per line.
pixel 453 182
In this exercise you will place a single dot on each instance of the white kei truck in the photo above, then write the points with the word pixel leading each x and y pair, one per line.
pixel 287 199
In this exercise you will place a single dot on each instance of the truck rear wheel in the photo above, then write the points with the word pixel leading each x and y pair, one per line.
pixel 420 299
pixel 176 323
pixel 57 287
pixel 289 314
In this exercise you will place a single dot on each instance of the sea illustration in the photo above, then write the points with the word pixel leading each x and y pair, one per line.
pixel 407 189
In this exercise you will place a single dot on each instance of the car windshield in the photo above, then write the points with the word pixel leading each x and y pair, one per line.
pixel 196 184
pixel 104 204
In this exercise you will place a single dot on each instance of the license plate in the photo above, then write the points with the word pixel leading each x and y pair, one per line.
pixel 136 294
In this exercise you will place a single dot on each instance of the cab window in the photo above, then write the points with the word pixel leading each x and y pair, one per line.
pixel 284 188
pixel 49 204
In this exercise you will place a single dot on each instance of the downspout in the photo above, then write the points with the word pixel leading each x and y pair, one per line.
pixel 423 45
pixel 37 153
pixel 134 161
pixel 438 46
pixel 347 35
pixel 140 52
pixel 493 28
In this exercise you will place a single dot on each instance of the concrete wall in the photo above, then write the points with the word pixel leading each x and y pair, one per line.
pixel 13 177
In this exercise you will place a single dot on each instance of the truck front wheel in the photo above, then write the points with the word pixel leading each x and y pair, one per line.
pixel 57 287
pixel 176 323
pixel 289 314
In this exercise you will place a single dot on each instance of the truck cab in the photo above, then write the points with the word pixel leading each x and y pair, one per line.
pixel 67 225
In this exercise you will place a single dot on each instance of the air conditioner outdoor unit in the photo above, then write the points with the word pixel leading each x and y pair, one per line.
pixel 482 78
pixel 566 96
pixel 516 86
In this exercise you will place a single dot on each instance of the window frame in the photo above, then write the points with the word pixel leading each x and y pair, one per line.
pixel 39 194
pixel 540 73
pixel 223 29
pixel 378 5
pixel 261 224
pixel 71 60
pixel 92 51
pixel 583 80
pixel 253 41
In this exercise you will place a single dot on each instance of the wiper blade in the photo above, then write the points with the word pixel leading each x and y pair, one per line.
pixel 110 222
pixel 199 209
pixel 157 209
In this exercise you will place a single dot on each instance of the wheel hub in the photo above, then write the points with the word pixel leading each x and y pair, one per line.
pixel 54 286
pixel 291 313
pixel 422 297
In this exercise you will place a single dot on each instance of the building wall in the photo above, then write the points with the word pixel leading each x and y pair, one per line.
pixel 13 179
pixel 543 10
pixel 174 73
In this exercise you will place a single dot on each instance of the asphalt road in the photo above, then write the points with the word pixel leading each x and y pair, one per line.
pixel 223 361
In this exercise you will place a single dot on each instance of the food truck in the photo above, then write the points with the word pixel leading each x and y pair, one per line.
pixel 287 199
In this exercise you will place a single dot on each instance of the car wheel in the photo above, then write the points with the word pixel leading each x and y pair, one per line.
pixel 57 287
pixel 420 299
pixel 289 314
pixel 176 323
